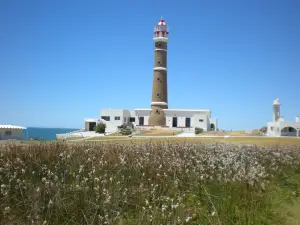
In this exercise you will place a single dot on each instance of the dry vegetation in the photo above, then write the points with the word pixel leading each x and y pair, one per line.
pixel 260 141
pixel 149 183
pixel 157 132
pixel 231 133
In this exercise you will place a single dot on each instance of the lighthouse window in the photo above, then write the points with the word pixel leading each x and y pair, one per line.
pixel 158 62
pixel 158 79
pixel 157 94
pixel 157 111
pixel 158 44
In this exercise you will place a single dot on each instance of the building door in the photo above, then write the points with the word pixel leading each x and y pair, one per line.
pixel 174 124
pixel 212 127
pixel 92 126
pixel 141 121
pixel 187 122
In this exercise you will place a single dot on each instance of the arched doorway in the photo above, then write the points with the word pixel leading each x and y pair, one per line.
pixel 212 127
pixel 289 131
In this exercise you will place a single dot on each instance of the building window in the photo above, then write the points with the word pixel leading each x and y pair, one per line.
pixel 159 45
pixel 8 133
pixel 157 111
pixel 132 119
pixel 107 118
pixel 158 62
pixel 158 95
pixel 117 118
pixel 201 120
pixel 124 119
pixel 158 79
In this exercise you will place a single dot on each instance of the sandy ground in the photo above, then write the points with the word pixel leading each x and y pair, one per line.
pixel 229 133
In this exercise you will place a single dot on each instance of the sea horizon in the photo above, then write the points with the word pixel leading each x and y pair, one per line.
pixel 45 133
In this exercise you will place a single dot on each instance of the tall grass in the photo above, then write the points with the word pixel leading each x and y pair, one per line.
pixel 154 183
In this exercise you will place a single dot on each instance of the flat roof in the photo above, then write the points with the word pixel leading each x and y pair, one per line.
pixel 188 110
pixel 91 119
pixel 11 127
pixel 180 110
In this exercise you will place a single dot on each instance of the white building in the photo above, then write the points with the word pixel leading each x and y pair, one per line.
pixel 9 132
pixel 176 119
pixel 278 127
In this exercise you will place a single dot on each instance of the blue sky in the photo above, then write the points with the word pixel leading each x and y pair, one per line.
pixel 62 61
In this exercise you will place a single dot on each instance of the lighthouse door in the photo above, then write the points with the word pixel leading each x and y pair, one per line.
pixel 141 121
pixel 174 124
pixel 188 122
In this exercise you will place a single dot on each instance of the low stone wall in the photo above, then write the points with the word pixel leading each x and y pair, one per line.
pixel 182 129
pixel 289 134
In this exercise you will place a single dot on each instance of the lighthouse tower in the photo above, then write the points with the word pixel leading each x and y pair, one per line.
pixel 159 86
pixel 276 110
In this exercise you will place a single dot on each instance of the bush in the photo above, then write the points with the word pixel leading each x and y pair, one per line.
pixel 100 128
pixel 125 131
pixel 126 126
pixel 198 130
pixel 263 129
pixel 122 126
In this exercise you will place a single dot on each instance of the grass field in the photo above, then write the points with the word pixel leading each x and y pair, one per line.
pixel 151 181
pixel 260 141
pixel 158 132
pixel 230 133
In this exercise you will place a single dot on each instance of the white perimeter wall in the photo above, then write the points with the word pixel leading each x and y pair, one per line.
pixel 274 128
pixel 112 113
pixel 198 118
pixel 142 113
pixel 15 134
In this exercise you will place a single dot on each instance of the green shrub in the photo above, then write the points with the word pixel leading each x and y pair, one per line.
pixel 126 126
pixel 100 128
pixel 198 130
pixel 122 126
pixel 125 131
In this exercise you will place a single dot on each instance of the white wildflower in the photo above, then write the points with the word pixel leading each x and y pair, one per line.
pixel 6 210
pixel 188 219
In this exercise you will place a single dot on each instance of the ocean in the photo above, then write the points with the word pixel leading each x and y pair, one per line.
pixel 45 133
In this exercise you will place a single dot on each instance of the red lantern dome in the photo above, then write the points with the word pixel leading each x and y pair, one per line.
pixel 161 29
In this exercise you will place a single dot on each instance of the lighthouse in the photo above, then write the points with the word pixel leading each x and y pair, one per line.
pixel 159 114
pixel 159 100
pixel 276 110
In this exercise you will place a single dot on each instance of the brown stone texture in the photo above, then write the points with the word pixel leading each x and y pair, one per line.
pixel 157 117
pixel 160 58
pixel 159 86
pixel 162 45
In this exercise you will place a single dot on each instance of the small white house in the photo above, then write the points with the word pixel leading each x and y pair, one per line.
pixel 10 132
pixel 176 119
pixel 279 127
